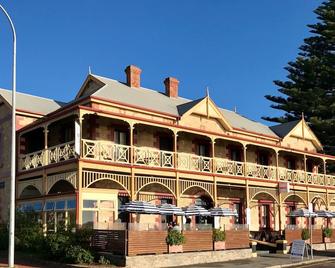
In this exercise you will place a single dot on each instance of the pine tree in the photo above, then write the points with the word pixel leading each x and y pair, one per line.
pixel 310 85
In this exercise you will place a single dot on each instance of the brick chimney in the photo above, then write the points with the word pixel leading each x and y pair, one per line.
pixel 133 76
pixel 171 87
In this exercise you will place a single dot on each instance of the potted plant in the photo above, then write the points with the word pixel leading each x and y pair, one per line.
pixel 219 237
pixel 305 235
pixel 175 240
pixel 327 234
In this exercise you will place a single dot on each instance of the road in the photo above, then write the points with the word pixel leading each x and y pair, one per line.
pixel 330 264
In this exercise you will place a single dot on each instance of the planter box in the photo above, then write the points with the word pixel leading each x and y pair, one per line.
pixel 175 248
pixel 219 245
pixel 326 239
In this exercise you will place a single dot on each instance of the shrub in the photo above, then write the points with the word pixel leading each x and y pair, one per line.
pixel 305 234
pixel 327 232
pixel 3 238
pixel 77 254
pixel 82 237
pixel 103 260
pixel 219 235
pixel 56 244
pixel 175 237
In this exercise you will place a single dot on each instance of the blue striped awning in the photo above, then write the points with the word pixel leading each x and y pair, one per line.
pixel 223 212
pixel 140 207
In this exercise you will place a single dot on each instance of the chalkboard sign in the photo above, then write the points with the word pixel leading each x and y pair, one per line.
pixel 298 249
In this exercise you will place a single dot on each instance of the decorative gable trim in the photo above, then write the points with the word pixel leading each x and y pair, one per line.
pixel 85 88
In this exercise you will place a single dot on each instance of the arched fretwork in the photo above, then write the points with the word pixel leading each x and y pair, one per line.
pixel 142 181
pixel 61 187
pixel 70 177
pixel 30 191
pixel 318 200
pixel 37 183
pixel 299 196
pixel 90 177
pixel 206 186
pixel 254 191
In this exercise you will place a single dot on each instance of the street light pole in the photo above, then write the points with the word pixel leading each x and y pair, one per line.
pixel 13 151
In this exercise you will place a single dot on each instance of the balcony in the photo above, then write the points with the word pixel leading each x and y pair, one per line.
pixel 52 155
pixel 110 152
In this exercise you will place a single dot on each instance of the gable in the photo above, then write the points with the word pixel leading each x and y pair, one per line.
pixel 89 87
pixel 303 132
pixel 206 109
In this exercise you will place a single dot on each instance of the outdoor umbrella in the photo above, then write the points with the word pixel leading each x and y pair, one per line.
pixel 305 213
pixel 325 214
pixel 194 210
pixel 139 207
pixel 223 212
pixel 169 209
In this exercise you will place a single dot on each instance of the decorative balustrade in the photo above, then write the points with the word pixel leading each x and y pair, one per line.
pixel 151 157
pixel 228 167
pixel 106 151
pixel 260 171
pixel 194 162
pixel 145 156
pixel 48 156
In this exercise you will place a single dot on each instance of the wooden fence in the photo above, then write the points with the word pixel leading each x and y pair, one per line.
pixel 295 234
pixel 130 243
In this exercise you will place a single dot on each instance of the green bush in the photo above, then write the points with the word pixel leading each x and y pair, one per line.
pixel 305 234
pixel 219 235
pixel 83 237
pixel 327 232
pixel 77 254
pixel 175 237
pixel 104 261
pixel 56 244
pixel 3 238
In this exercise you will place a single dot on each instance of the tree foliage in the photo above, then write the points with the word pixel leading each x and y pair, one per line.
pixel 310 84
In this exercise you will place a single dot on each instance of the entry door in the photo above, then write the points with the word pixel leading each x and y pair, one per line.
pixel 265 216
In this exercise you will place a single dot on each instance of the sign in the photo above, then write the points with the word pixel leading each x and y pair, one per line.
pixel 284 187
pixel 298 249
pixel 77 136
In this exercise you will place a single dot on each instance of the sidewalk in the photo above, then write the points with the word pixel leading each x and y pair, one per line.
pixel 267 260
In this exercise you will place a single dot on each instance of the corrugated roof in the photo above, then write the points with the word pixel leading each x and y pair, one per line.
pixel 31 103
pixel 283 129
pixel 155 100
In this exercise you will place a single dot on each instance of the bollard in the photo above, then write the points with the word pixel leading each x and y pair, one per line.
pixel 281 246
pixel 253 249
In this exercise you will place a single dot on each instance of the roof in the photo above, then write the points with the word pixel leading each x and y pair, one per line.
pixel 155 100
pixel 30 103
pixel 283 129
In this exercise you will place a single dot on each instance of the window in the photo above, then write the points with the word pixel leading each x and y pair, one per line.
pixel 235 154
pixel 263 158
pixel 291 220
pixel 238 208
pixel 203 150
pixel 120 137
pixel 98 213
pixel 291 163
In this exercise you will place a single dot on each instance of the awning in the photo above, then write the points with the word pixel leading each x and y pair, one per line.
pixel 195 211
pixel 140 207
pixel 169 209
pixel 223 212
pixel 325 214
pixel 303 212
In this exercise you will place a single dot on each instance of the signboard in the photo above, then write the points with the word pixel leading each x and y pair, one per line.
pixel 284 187
pixel 77 136
pixel 298 249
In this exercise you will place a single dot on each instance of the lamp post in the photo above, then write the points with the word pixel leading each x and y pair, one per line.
pixel 13 151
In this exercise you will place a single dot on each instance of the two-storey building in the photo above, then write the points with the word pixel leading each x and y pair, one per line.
pixel 118 141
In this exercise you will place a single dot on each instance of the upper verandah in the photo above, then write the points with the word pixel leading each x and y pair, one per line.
pixel 183 112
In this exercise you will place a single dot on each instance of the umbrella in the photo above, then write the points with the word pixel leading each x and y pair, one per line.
pixel 140 207
pixel 303 212
pixel 223 212
pixel 195 211
pixel 325 214
pixel 168 209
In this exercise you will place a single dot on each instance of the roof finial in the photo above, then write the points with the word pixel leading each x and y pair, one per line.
pixel 89 70
pixel 302 116
pixel 235 109
pixel 207 91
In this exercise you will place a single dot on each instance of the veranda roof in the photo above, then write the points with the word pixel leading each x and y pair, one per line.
pixel 303 212
pixel 325 214
pixel 169 209
pixel 194 210
pixel 223 212
pixel 140 207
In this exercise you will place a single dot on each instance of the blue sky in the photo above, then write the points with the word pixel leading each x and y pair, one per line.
pixel 236 48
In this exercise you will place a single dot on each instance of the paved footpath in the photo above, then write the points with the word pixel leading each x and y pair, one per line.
pixel 267 260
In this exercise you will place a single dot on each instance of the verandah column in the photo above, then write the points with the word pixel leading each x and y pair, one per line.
pixel 131 160
pixel 247 201
pixel 44 178
pixel 79 202
pixel 214 171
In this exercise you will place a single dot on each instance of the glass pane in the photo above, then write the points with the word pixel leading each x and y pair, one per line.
pixel 60 220
pixel 106 204
pixel 60 205
pixel 90 203
pixel 90 218
pixel 71 218
pixel 50 205
pixel 71 204
pixel 38 206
